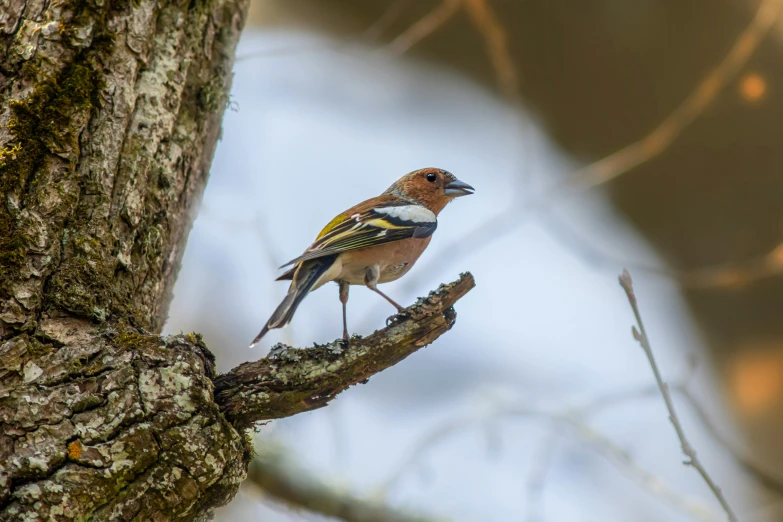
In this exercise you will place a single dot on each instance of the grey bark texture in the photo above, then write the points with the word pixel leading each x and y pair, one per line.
pixel 109 116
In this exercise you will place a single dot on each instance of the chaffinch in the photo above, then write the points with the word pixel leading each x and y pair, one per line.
pixel 376 241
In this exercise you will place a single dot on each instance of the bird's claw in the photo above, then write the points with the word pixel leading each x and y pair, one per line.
pixel 396 317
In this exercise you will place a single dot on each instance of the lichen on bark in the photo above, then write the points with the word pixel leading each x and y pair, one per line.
pixel 112 425
pixel 110 114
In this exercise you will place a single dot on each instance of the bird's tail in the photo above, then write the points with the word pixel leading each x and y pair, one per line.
pixel 303 280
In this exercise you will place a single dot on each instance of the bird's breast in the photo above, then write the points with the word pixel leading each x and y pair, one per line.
pixel 394 259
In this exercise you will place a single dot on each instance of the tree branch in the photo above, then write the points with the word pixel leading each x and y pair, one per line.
pixel 641 336
pixel 431 22
pixel 293 380
pixel 704 94
pixel 280 478
pixel 622 161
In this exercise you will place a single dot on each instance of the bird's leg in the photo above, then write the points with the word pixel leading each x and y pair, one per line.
pixel 371 280
pixel 344 301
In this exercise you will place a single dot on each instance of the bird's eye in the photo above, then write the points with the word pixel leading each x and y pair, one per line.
pixel 431 177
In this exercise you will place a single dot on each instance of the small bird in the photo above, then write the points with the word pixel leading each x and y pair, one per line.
pixel 376 241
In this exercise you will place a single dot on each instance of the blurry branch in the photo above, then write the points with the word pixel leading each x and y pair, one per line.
pixel 495 39
pixel 257 226
pixel 723 275
pixel 582 432
pixel 641 337
pixel 372 33
pixel 650 482
pixel 281 479
pixel 734 274
pixel 292 380
pixel 490 29
pixel 627 158
pixel 608 168
pixel 766 479
pixel 698 100
pixel 427 25
pixel 385 21
pixel 536 481
pixel 416 455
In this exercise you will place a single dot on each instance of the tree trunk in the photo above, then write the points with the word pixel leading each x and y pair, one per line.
pixel 110 114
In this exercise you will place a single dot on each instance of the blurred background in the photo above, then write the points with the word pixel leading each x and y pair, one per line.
pixel 598 135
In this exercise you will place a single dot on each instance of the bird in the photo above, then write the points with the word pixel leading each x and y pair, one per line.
pixel 374 242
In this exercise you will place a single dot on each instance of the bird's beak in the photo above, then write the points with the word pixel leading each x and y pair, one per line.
pixel 458 188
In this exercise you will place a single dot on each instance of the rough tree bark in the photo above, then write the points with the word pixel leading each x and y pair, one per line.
pixel 109 115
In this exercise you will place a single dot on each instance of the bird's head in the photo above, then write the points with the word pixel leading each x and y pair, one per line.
pixel 433 188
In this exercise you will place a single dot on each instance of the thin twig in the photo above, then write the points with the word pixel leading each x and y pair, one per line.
pixel 427 25
pixel 767 479
pixel 641 337
pixel 723 275
pixel 495 40
pixel 694 105
pixel 495 37
pixel 650 482
pixel 369 35
pixel 382 24
pixel 536 481
pixel 584 433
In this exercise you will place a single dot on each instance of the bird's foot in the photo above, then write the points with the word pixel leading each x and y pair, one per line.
pixel 395 318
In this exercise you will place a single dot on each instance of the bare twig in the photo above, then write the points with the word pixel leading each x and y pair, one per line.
pixel 427 25
pixel 641 337
pixel 282 480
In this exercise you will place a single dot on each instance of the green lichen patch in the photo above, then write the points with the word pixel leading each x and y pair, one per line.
pixel 213 95
pixel 41 125
pixel 83 282
pixel 128 338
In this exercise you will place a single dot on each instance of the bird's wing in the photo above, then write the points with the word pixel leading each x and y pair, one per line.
pixel 386 222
